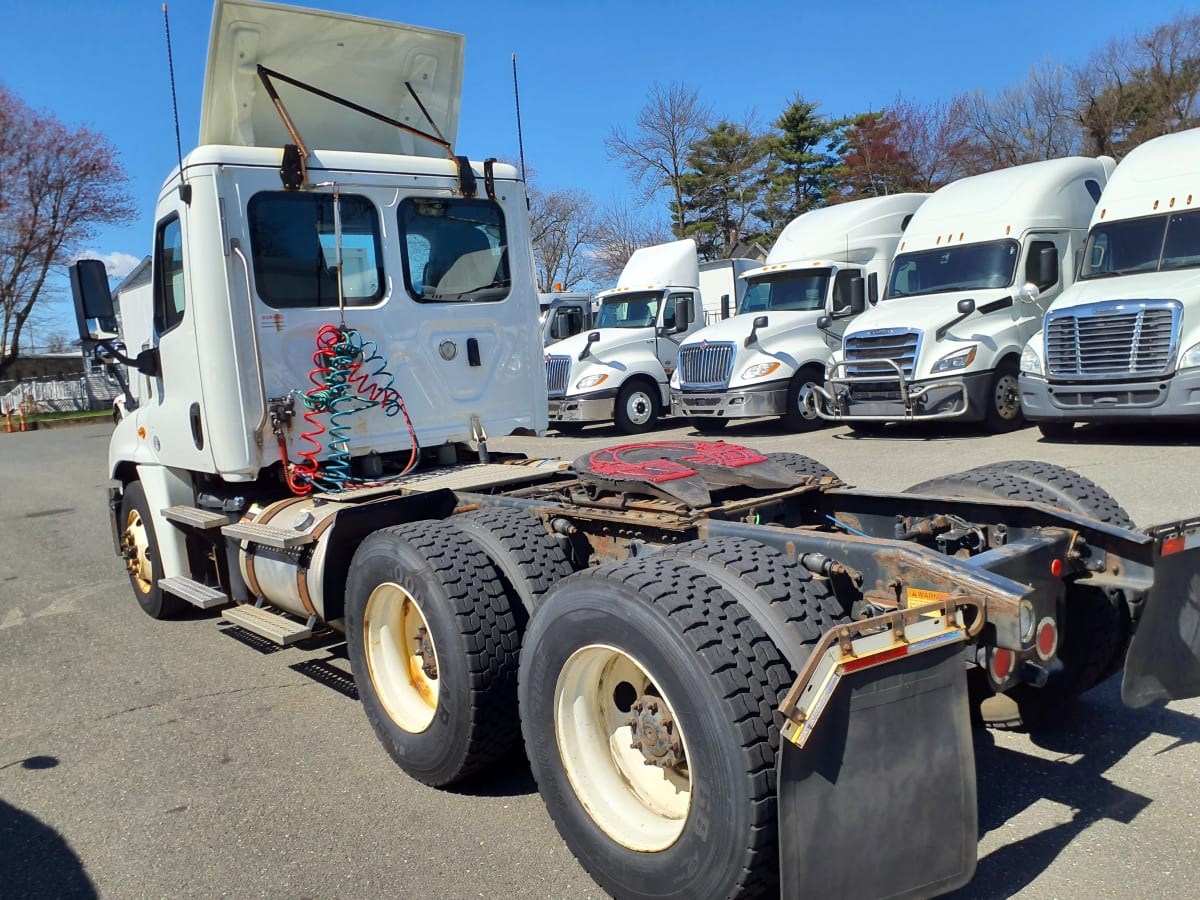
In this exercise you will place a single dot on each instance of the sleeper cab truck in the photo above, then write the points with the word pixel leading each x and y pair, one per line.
pixel 619 371
pixel 1123 342
pixel 824 269
pixel 974 273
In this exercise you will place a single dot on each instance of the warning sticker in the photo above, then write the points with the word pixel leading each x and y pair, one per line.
pixel 920 596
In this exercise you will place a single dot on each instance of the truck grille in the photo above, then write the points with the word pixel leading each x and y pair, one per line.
pixel 1113 339
pixel 705 365
pixel 900 345
pixel 558 368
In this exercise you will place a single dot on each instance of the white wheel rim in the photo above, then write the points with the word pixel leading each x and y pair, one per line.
pixel 394 633
pixel 136 544
pixel 639 407
pixel 642 807
pixel 1008 400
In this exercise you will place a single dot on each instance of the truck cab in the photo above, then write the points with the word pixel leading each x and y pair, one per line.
pixel 289 247
pixel 766 359
pixel 564 313
pixel 975 272
pixel 1123 342
pixel 619 371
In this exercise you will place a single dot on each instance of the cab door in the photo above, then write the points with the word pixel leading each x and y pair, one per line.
pixel 840 313
pixel 175 415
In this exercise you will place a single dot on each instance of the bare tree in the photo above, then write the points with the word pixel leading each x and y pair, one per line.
pixel 57 342
pixel 58 185
pixel 562 228
pixel 620 230
pixel 656 152
pixel 1135 89
pixel 1032 121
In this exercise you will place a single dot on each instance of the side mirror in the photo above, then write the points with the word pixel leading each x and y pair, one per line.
pixel 966 306
pixel 873 288
pixel 858 296
pixel 1028 293
pixel 685 314
pixel 587 348
pixel 1047 268
pixel 759 322
pixel 93 302
pixel 724 306
pixel 824 322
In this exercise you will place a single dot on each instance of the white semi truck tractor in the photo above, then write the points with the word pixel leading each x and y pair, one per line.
pixel 978 265
pixel 619 371
pixel 1122 344
pixel 824 269
pixel 712 657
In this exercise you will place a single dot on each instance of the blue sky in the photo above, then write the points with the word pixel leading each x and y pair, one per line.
pixel 584 67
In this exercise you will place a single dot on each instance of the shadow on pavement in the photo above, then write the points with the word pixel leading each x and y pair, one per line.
pixel 1143 434
pixel 1090 742
pixel 36 861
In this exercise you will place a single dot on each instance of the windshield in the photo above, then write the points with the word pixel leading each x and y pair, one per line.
pixel 1153 244
pixel 803 290
pixel 962 268
pixel 632 310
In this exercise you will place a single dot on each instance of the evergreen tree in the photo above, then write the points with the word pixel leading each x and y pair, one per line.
pixel 721 189
pixel 802 164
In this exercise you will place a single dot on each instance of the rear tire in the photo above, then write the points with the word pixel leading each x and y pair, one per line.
pixel 695 651
pixel 143 561
pixel 801 414
pixel 530 560
pixel 428 589
pixel 803 465
pixel 1093 627
pixel 636 408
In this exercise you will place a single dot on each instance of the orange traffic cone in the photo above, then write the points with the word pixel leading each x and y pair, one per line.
pixel 21 412
pixel 8 420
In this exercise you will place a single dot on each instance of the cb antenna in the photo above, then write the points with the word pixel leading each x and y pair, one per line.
pixel 520 140
pixel 185 189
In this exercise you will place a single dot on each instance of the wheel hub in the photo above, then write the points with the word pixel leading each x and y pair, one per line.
pixel 425 651
pixel 654 733
pixel 135 548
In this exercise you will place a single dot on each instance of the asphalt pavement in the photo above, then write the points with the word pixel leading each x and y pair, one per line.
pixel 173 759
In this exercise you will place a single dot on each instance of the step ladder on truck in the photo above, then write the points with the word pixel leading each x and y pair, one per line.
pixel 730 671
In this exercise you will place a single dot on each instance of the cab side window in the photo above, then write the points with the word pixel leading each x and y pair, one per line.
pixel 170 295
pixel 841 290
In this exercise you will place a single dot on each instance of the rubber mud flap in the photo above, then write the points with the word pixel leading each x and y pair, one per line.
pixel 881 801
pixel 1164 657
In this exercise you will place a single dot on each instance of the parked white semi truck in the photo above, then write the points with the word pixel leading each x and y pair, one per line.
pixel 1123 342
pixel 979 264
pixel 822 271
pixel 619 372
pixel 713 658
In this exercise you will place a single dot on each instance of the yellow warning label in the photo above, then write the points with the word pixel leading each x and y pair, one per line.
pixel 919 596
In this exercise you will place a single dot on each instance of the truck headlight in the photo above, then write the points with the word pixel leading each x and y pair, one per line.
pixel 1031 363
pixel 959 359
pixel 589 381
pixel 759 370
pixel 675 380
pixel 1190 358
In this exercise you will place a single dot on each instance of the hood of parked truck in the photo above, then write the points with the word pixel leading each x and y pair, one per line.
pixel 737 328
pixel 366 61
pixel 612 344
pixel 1180 284
pixel 931 311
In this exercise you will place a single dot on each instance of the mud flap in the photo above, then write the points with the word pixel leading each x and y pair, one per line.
pixel 881 801
pixel 1164 657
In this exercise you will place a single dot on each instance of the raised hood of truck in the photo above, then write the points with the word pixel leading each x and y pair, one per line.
pixel 365 61
pixel 661 266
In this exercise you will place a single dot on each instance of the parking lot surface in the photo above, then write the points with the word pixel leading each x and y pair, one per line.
pixel 172 759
